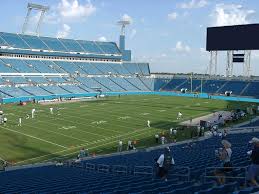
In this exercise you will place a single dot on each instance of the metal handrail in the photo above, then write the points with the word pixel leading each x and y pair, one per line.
pixel 222 176
pixel 188 174
pixel 136 172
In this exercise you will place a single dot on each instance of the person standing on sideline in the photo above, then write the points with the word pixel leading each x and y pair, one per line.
pixel 164 162
pixel 5 121
pixel 32 113
pixel 171 131
pixel 20 122
pixel 51 110
pixel 120 146
pixel 157 138
pixel 148 123
pixel 179 116
pixel 163 140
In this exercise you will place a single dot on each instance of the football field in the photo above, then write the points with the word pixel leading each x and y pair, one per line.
pixel 95 125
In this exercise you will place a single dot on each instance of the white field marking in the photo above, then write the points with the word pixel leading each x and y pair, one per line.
pixel 98 122
pixel 58 118
pixel 197 104
pixel 33 137
pixel 206 102
pixel 100 145
pixel 187 106
pixel 62 108
pixel 145 113
pixel 124 118
pixel 145 99
pixel 67 128
pixel 161 110
pixel 113 137
pixel 40 110
pixel 7 114
pixel 118 102
pixel 103 104
pixel 82 106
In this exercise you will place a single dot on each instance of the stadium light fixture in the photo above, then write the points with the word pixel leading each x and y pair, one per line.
pixel 41 8
pixel 123 24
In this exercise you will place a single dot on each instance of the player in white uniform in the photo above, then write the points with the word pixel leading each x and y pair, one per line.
pixel 5 121
pixel 179 115
pixel 51 110
pixel 32 113
pixel 20 122
pixel 148 123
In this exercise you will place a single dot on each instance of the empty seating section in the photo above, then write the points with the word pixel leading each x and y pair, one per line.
pixel 149 82
pixel 92 84
pixel 132 68
pixel 42 67
pixel 252 89
pixel 19 65
pixel 235 86
pixel 14 91
pixel 137 83
pixel 34 42
pixel 6 68
pixel 104 68
pixel 38 80
pixel 55 90
pixel 108 47
pixel 89 68
pixel 17 80
pixel 13 40
pixel 208 86
pixel 125 84
pixel 56 79
pixel 109 83
pixel 73 89
pixel 119 68
pixel 36 91
pixel 52 65
pixel 90 46
pixel 54 44
pixel 144 68
pixel 69 67
pixel 71 45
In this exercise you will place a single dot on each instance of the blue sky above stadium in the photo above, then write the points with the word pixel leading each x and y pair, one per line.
pixel 169 34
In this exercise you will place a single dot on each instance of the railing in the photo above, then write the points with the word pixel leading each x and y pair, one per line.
pixel 229 175
pixel 186 173
pixel 143 170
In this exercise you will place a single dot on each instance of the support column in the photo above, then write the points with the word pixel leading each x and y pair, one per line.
pixel 213 63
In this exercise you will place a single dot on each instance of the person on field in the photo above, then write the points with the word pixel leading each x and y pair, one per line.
pixel 164 163
pixel 51 110
pixel 5 121
pixel 20 122
pixel 32 113
pixel 120 146
pixel 163 140
pixel 82 153
pixel 157 138
pixel 179 116
pixel 148 123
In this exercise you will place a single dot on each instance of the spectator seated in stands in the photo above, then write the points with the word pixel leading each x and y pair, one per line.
pixel 164 162
pixel 253 169
pixel 224 154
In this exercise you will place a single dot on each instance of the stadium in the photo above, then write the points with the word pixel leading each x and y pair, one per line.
pixel 80 116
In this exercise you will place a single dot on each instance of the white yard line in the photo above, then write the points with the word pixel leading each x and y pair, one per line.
pixel 105 139
pixel 33 137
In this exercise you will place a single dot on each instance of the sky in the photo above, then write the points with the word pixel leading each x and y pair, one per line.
pixel 169 34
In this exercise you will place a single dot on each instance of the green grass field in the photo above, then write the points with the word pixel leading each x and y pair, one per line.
pixel 96 125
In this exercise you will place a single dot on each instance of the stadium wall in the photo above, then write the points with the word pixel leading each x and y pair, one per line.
pixel 201 95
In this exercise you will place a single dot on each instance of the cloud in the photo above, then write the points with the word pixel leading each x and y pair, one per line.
pixel 64 32
pixel 72 9
pixel 133 33
pixel 180 47
pixel 194 4
pixel 102 38
pixel 231 14
pixel 172 16
pixel 126 17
